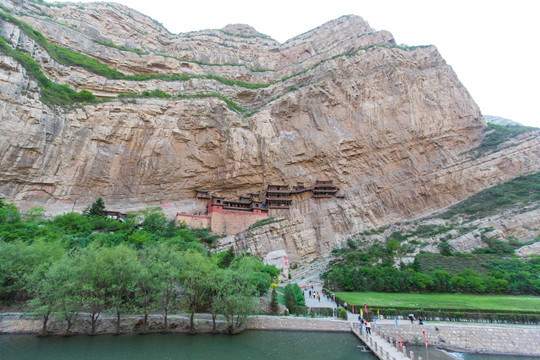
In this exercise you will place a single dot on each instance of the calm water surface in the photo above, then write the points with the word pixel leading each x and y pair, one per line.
pixel 435 354
pixel 267 345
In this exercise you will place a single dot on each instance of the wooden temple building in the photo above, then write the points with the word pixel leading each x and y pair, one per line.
pixel 278 196
pixel 324 189
pixel 233 216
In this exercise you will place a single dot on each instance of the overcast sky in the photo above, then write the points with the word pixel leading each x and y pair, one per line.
pixel 492 45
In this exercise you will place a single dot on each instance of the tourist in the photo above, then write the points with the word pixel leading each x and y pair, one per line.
pixel 420 322
pixel 368 328
pixel 411 317
pixel 318 297
pixel 310 294
pixel 345 305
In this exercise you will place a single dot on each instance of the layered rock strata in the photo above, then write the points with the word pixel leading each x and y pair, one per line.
pixel 390 125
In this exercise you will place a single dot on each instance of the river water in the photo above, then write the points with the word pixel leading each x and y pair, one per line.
pixel 264 345
pixel 267 345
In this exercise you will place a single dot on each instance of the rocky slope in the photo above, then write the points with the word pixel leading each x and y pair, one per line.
pixel 391 125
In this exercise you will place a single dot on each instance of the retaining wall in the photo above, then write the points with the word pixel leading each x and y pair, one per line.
pixel 478 338
pixel 296 323
pixel 194 221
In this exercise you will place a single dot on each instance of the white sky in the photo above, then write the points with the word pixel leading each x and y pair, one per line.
pixel 491 44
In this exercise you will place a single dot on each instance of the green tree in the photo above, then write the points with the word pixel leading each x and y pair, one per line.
pixel 195 276
pixel 35 214
pixel 120 265
pixel 212 302
pixel 258 275
pixel 236 298
pixel 94 283
pixel 227 258
pixel 290 298
pixel 274 306
pixel 9 213
pixel 19 264
pixel 45 282
pixel 70 300
pixel 154 220
pixel 158 280
pixel 97 209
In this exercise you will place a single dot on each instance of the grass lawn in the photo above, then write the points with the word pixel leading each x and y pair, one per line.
pixel 460 302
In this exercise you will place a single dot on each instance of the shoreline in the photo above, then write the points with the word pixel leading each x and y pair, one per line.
pixel 472 338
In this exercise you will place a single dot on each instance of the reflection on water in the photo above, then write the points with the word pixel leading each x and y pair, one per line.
pixel 264 345
pixel 436 354
pixel 267 345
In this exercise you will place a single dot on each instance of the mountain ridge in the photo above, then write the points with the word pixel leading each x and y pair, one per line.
pixel 390 125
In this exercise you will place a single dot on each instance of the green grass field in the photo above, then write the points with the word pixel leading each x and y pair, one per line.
pixel 461 302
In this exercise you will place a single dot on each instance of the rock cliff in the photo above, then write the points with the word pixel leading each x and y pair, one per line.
pixel 232 110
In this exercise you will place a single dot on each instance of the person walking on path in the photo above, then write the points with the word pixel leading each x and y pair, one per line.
pixel 318 296
pixel 368 328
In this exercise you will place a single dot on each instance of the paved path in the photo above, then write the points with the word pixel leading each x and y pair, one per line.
pixel 324 303
pixel 379 346
pixel 313 302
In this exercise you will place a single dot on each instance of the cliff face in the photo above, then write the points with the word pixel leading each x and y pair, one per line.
pixel 390 125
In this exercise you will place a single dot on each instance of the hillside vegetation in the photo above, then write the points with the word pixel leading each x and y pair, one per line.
pixel 368 265
pixel 88 263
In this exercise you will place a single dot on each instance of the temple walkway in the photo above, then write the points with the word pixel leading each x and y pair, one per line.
pixel 380 345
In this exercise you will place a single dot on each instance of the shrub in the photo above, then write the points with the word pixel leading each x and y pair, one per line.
pixel 342 313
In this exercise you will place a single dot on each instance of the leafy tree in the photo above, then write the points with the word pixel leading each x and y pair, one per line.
pixel 22 262
pixel 195 276
pixel 120 265
pixel 35 214
pixel 45 298
pixel 257 271
pixel 154 220
pixel 9 213
pixel 159 280
pixel 94 283
pixel 70 301
pixel 213 301
pixel 226 259
pixel 44 282
pixel 236 298
pixel 73 223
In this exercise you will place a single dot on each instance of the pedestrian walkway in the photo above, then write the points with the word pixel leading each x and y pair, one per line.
pixel 380 346
pixel 378 343
pixel 313 302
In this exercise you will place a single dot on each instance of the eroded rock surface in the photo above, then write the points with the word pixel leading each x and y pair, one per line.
pixel 390 125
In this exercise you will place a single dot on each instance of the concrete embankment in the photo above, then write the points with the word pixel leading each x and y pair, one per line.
pixel 106 324
pixel 296 323
pixel 503 339
pixel 27 324
pixel 463 337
